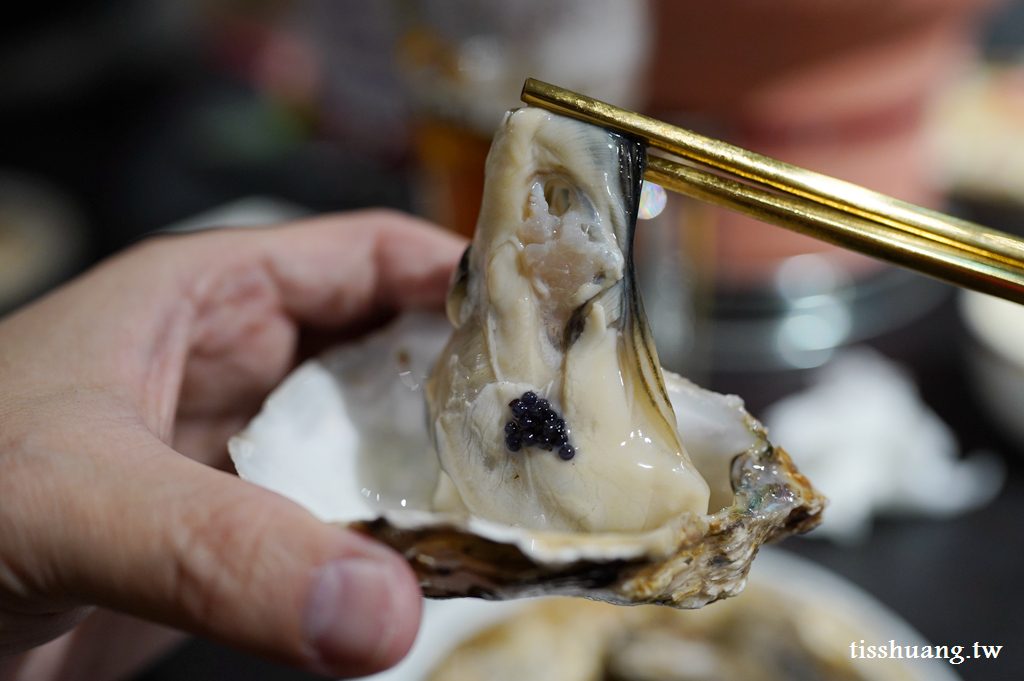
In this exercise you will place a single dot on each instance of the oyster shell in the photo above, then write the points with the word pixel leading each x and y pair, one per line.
pixel 545 301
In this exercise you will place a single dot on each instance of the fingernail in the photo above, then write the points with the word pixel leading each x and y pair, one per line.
pixel 350 614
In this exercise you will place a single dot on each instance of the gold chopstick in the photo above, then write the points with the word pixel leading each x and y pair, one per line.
pixel 839 212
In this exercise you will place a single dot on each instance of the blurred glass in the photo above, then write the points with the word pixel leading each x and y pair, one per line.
pixel 841 88
pixel 675 259
pixel 464 63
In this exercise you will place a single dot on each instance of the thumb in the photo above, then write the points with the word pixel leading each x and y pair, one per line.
pixel 144 530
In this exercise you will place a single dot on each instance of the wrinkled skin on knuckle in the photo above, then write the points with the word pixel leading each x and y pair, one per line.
pixel 241 344
pixel 229 576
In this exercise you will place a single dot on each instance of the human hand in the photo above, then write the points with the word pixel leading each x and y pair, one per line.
pixel 118 393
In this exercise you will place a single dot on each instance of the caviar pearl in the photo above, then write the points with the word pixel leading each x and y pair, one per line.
pixel 518 408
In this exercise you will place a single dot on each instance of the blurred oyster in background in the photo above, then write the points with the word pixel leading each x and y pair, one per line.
pixel 873 447
pixel 794 622
pixel 758 636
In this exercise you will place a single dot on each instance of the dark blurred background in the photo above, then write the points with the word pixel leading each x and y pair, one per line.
pixel 122 117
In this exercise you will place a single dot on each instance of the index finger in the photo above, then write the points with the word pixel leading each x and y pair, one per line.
pixel 335 269
pixel 380 259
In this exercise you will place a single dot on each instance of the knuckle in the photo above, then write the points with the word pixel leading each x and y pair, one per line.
pixel 208 549
pixel 228 579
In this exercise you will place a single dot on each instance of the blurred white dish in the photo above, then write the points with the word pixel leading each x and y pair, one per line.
pixel 997 362
pixel 865 437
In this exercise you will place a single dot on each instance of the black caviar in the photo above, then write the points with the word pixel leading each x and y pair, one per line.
pixel 535 424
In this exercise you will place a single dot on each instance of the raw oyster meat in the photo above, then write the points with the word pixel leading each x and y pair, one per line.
pixel 666 491
pixel 546 303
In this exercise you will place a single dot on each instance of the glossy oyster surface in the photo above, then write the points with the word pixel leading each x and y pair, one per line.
pixel 669 490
